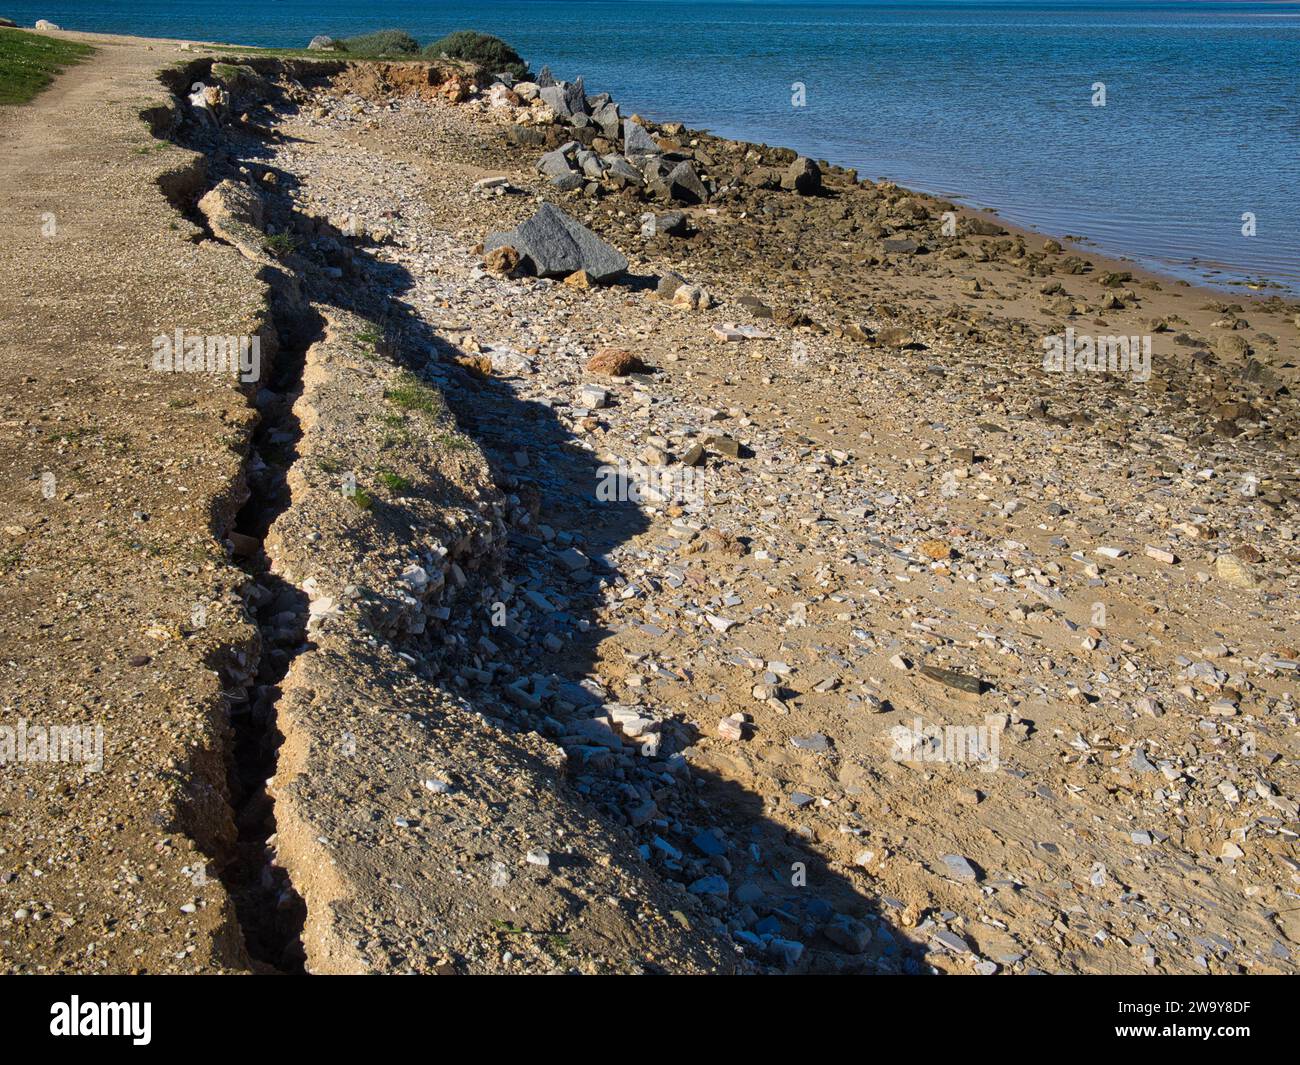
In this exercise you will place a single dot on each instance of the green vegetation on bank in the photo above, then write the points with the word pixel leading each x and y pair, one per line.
pixel 492 53
pixel 382 43
pixel 29 62
pixel 482 48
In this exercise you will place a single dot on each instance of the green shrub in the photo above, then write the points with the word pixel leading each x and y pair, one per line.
pixel 382 43
pixel 484 49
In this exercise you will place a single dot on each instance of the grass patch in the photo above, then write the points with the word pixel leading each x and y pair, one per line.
pixel 368 340
pixel 411 393
pixel 29 62
pixel 394 482
pixel 281 244
pixel 361 499
pixel 454 441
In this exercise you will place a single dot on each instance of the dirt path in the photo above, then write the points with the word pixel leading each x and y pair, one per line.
pixel 115 479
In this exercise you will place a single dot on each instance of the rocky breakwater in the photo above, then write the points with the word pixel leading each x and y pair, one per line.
pixel 606 151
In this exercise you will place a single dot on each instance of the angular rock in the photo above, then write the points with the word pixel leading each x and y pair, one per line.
pixel 554 245
pixel 848 933
pixel 670 222
pixel 235 213
pixel 554 164
pixel 802 176
pixel 681 184
pixel 621 172
pixel 637 143
pixel 960 868
pixel 607 120
pixel 565 98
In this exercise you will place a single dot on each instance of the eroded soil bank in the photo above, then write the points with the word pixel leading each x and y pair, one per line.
pixel 498 701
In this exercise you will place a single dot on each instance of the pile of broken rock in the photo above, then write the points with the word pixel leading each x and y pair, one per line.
pixel 605 150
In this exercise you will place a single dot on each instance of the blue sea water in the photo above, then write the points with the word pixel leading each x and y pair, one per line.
pixel 991 104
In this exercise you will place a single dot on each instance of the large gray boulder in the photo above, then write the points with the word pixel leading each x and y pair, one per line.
pixel 322 43
pixel 637 143
pixel 565 98
pixel 554 245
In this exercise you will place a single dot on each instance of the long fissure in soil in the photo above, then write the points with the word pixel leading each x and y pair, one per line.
pixel 270 911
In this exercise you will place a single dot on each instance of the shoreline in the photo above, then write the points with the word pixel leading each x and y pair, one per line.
pixel 472 696
pixel 1080 243
pixel 1185 270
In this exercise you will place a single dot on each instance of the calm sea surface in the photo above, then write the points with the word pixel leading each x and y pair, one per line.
pixel 988 103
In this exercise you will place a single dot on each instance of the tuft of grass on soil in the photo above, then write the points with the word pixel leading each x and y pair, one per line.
pixel 394 481
pixel 29 62
pixel 410 393
pixel 281 244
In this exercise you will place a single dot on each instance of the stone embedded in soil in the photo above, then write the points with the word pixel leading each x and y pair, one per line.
pixel 815 742
pixel 616 362
pixel 960 868
pixel 1235 572
pixel 962 682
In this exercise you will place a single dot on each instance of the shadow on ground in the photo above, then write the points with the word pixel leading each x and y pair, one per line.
pixel 794 893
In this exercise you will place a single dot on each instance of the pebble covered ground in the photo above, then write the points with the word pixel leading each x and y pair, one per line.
pixel 880 538
pixel 903 654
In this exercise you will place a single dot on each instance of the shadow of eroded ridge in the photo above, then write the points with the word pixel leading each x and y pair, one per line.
pixel 453 791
